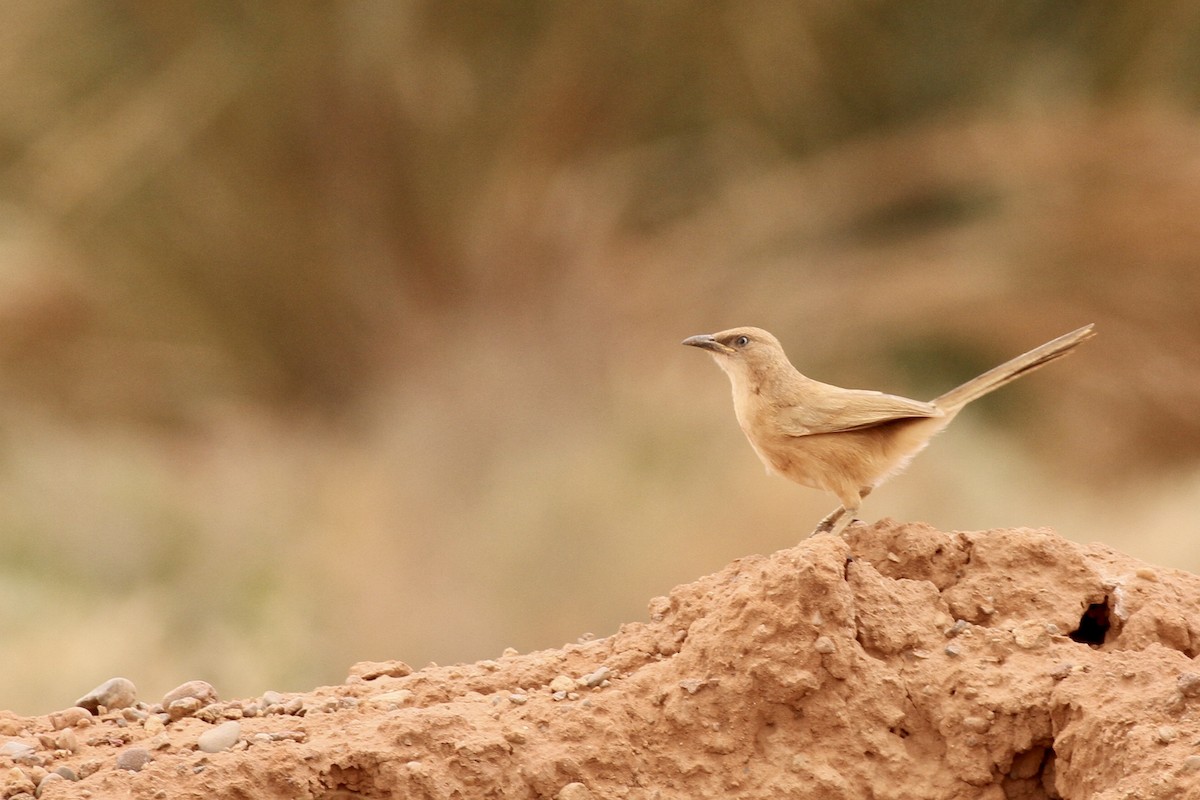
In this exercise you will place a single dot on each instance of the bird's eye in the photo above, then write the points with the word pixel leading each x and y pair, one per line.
pixel 742 341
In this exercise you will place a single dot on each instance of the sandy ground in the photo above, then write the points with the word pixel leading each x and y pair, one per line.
pixel 899 662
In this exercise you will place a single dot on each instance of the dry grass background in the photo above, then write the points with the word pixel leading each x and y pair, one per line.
pixel 343 331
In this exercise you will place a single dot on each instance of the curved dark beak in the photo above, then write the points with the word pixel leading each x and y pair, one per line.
pixel 706 341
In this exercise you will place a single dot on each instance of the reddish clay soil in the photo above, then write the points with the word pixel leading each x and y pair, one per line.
pixel 899 662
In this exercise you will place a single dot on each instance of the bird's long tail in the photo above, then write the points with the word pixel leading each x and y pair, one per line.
pixel 1011 370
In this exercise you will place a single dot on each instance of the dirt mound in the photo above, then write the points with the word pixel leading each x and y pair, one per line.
pixel 900 662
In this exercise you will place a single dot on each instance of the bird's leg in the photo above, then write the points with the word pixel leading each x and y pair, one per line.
pixel 837 520
pixel 826 525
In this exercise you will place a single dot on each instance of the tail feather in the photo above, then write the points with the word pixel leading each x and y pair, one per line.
pixel 1011 370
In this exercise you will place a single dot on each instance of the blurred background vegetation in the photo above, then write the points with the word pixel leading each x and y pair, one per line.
pixel 343 331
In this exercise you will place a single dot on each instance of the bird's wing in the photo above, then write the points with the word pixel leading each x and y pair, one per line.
pixel 848 409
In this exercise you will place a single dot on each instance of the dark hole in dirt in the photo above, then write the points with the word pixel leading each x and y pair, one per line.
pixel 1031 776
pixel 900 731
pixel 1093 625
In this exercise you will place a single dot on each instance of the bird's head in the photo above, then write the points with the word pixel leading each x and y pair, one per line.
pixel 747 353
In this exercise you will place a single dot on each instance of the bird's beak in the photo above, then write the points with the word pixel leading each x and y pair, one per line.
pixel 706 341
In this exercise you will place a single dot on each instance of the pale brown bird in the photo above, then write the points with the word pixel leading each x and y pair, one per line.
pixel 844 441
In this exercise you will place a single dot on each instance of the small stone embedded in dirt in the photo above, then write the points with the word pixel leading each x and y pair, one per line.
pixel 1192 763
pixel 958 627
pixel 217 712
pixel 134 714
pixel 70 717
pixel 201 690
pixel 400 697
pixel 976 724
pixel 17 750
pixel 1188 684
pixel 133 759
pixel 222 737
pixel 184 707
pixel 518 698
pixel 113 694
pixel 563 684
pixel 16 782
pixel 596 678
pixel 66 772
pixel 574 791
pixel 1062 671
pixel 1031 635
pixel 824 645
pixel 47 779
pixel 66 740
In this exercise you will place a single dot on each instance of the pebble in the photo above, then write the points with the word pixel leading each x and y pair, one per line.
pixel 184 707
pixel 563 684
pixel 271 698
pixel 958 627
pixel 113 694
pixel 17 750
pixel 133 714
pixel 222 737
pixel 574 791
pixel 1192 763
pixel 1031 635
pixel 66 772
pixel 953 650
pixel 70 718
pixel 400 697
pixel 1062 671
pixel 1188 684
pixel 133 759
pixel 47 779
pixel 976 724
pixel 217 712
pixel 201 690
pixel 824 645
pixel 16 782
pixel 596 678
pixel 67 740
pixel 1166 734
pixel 516 698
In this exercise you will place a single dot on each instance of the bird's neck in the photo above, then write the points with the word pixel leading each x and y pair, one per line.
pixel 778 381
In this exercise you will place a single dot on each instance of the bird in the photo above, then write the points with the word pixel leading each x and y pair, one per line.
pixel 843 441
